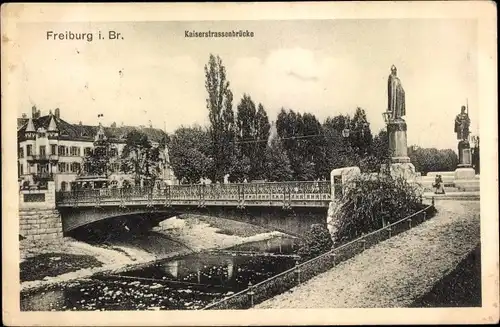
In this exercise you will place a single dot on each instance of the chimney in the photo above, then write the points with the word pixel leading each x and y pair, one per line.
pixel 80 123
pixel 57 113
pixel 33 112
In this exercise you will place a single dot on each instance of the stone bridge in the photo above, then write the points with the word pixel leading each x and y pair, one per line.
pixel 290 207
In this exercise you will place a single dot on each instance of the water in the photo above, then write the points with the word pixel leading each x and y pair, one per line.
pixel 187 283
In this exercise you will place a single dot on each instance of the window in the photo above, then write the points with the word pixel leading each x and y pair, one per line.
pixel 21 152
pixel 75 151
pixel 87 151
pixel 115 167
pixel 113 152
pixel 29 150
pixel 64 186
pixel 53 149
pixel 63 151
pixel 62 167
pixel 21 169
pixel 42 151
pixel 75 167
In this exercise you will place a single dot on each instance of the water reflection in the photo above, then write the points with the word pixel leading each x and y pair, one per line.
pixel 190 282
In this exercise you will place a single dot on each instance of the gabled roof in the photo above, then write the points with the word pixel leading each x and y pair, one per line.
pixel 80 132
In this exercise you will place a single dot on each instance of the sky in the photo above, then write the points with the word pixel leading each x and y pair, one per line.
pixel 325 67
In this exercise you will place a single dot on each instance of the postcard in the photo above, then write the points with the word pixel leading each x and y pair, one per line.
pixel 249 163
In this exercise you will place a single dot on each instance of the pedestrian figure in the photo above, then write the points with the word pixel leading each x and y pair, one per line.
pixel 438 184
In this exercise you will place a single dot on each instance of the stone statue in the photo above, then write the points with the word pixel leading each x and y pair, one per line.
pixel 462 123
pixel 396 96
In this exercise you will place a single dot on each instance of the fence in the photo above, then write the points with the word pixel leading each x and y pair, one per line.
pixel 302 272
pixel 316 192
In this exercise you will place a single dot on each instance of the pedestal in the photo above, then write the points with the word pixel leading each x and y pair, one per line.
pixel 396 130
pixel 464 154
pixel 465 173
pixel 403 170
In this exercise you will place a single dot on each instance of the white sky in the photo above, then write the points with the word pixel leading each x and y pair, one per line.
pixel 324 67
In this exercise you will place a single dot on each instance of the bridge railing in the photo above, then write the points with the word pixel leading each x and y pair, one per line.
pixel 286 192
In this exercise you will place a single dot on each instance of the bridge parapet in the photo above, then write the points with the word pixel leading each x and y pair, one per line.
pixel 285 194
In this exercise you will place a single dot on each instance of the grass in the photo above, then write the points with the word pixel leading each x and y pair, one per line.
pixel 54 264
pixel 231 227
pixel 460 288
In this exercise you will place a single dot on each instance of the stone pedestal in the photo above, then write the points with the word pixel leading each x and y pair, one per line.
pixel 465 173
pixel 464 170
pixel 402 170
pixel 396 130
pixel 400 162
pixel 464 154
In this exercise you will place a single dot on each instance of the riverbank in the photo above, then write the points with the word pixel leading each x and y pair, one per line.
pixel 178 236
pixel 396 272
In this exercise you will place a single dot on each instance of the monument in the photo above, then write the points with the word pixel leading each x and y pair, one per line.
pixel 396 128
pixel 462 124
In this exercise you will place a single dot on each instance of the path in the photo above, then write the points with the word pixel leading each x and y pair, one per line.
pixel 395 272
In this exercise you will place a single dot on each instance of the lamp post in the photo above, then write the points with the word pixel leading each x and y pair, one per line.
pixel 345 134
pixel 386 116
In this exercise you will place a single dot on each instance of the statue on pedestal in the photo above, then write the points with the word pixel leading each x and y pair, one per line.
pixel 396 129
pixel 462 124
pixel 396 125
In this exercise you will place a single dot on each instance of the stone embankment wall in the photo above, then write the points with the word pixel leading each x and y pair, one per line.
pixel 38 217
pixel 40 224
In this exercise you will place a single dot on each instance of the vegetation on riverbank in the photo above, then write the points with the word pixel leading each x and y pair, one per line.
pixel 54 264
pixel 370 202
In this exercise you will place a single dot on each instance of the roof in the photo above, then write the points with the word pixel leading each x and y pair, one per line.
pixel 80 132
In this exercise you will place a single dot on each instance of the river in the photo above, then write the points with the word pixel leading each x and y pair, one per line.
pixel 187 282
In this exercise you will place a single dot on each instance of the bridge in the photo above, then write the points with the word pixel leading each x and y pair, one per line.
pixel 287 206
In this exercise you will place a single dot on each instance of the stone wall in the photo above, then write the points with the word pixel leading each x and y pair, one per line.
pixel 40 224
pixel 38 217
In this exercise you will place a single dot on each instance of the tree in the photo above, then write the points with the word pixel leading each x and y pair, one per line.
pixel 475 154
pixel 252 133
pixel 221 116
pixel 277 165
pixel 189 153
pixel 296 132
pixel 432 159
pixel 360 135
pixel 140 158
pixel 316 241
pixel 336 149
pixel 97 161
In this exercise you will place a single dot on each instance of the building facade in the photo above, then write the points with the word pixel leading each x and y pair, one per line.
pixel 50 148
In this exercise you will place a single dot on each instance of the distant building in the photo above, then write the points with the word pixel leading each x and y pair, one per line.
pixel 50 148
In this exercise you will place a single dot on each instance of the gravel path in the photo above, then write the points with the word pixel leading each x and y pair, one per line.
pixel 395 272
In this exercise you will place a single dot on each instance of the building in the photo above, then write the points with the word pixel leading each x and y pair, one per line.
pixel 50 148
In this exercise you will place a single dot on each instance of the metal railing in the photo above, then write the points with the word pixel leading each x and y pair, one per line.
pixel 241 194
pixel 304 271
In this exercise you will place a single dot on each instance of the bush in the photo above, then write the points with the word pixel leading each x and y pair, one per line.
pixel 315 242
pixel 370 202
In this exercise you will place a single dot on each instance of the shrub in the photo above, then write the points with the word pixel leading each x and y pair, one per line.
pixel 315 242
pixel 370 202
